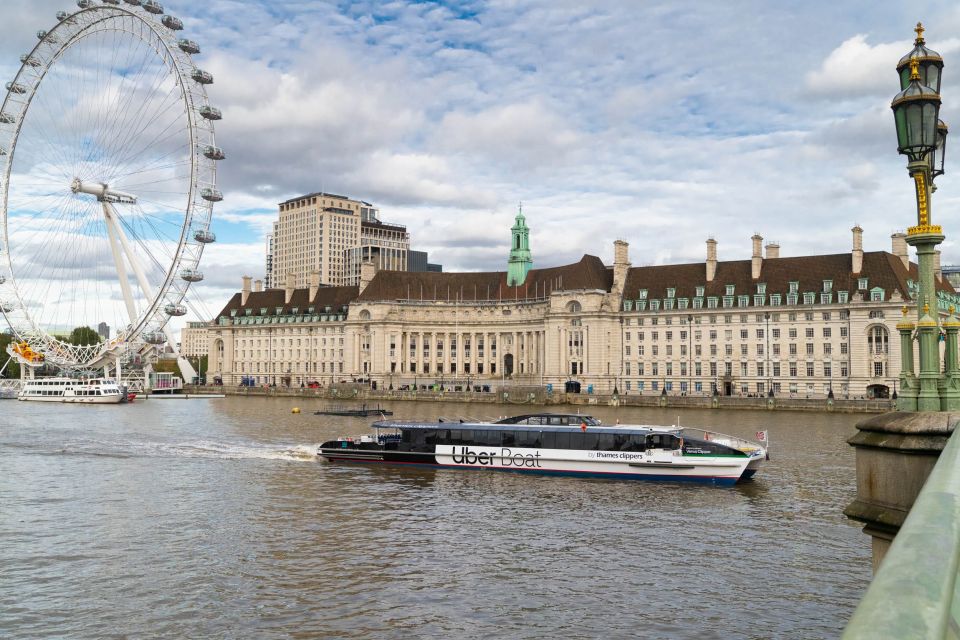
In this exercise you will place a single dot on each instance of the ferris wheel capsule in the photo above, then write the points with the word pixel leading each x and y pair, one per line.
pixel 201 76
pixel 210 113
pixel 214 153
pixel 135 3
pixel 191 275
pixel 205 236
pixel 172 23
pixel 113 2
pixel 154 337
pixel 188 46
pixel 175 309
pixel 29 60
pixel 63 16
pixel 13 87
pixel 6 118
pixel 211 195
pixel 85 4
pixel 152 6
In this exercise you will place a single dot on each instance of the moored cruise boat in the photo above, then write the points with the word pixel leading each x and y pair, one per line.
pixel 84 391
pixel 556 444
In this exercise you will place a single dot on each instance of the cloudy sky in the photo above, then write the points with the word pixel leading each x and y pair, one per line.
pixel 660 123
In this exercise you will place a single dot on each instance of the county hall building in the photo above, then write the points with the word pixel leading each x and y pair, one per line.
pixel 805 325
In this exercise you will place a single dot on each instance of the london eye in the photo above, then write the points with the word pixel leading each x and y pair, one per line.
pixel 108 168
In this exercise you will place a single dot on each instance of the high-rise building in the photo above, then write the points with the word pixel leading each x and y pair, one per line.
pixel 333 235
pixel 103 330
pixel 268 270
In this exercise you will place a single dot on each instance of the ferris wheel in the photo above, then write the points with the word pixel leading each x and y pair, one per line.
pixel 107 181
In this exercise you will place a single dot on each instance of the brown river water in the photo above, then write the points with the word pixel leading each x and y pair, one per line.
pixel 214 519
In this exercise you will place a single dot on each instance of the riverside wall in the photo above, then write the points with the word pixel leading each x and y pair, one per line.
pixel 538 396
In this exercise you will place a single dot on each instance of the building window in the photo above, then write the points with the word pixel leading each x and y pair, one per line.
pixel 878 369
pixel 729 289
pixel 862 284
pixel 699 292
pixel 877 340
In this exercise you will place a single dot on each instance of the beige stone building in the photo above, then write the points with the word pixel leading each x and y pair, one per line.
pixel 797 325
pixel 331 234
pixel 194 339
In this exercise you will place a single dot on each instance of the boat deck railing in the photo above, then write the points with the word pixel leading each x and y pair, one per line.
pixel 915 592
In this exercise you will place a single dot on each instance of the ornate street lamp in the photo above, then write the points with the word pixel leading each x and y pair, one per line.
pixel 915 111
pixel 922 137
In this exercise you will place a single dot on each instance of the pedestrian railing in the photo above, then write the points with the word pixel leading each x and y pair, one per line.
pixel 915 592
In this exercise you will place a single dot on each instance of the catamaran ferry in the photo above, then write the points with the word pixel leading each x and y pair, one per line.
pixel 86 391
pixel 557 444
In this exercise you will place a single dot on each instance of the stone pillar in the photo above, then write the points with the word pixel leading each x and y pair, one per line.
pixel 895 454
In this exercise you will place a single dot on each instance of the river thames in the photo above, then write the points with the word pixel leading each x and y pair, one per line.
pixel 213 518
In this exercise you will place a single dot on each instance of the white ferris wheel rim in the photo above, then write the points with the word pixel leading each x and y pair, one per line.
pixel 162 296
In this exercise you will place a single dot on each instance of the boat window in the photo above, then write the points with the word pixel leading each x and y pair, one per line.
pixel 549 440
pixel 509 438
pixel 638 442
pixel 621 442
pixel 406 436
pixel 607 442
pixel 455 437
pixel 562 441
pixel 589 440
pixel 558 420
pixel 534 420
pixel 466 436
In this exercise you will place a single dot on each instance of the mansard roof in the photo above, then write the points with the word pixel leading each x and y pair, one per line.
pixel 589 273
pixel 334 297
pixel 880 268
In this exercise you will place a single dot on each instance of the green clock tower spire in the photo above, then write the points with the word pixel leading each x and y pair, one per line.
pixel 520 261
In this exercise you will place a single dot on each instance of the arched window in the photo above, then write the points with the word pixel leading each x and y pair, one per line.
pixel 574 307
pixel 364 315
pixel 878 339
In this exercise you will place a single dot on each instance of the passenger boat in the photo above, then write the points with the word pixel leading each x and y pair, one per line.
pixel 557 444
pixel 85 391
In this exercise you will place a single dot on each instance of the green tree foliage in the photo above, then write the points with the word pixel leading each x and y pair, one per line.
pixel 13 367
pixel 83 336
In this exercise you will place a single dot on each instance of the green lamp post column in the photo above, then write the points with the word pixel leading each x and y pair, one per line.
pixel 907 400
pixel 916 109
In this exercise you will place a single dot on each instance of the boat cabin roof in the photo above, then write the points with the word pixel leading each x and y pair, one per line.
pixel 490 426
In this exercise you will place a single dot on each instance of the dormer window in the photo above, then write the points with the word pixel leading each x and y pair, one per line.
pixel 761 288
pixel 862 284
pixel 794 287
pixel 643 294
pixel 700 292
pixel 730 288
pixel 671 292
pixel 827 286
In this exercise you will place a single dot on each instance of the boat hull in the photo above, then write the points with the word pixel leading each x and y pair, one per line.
pixel 636 466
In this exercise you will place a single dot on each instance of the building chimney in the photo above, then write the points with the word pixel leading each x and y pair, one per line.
pixel 899 242
pixel 621 265
pixel 314 284
pixel 288 290
pixel 258 285
pixel 711 259
pixel 368 269
pixel 937 270
pixel 756 261
pixel 857 253
pixel 245 291
pixel 773 250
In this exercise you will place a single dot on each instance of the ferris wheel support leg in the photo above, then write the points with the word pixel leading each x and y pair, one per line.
pixel 110 215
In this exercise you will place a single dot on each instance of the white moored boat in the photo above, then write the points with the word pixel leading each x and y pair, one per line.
pixel 557 444
pixel 85 391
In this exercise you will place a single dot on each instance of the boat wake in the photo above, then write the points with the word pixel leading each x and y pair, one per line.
pixel 195 449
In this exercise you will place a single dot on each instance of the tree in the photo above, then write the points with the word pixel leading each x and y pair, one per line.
pixel 13 367
pixel 82 336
